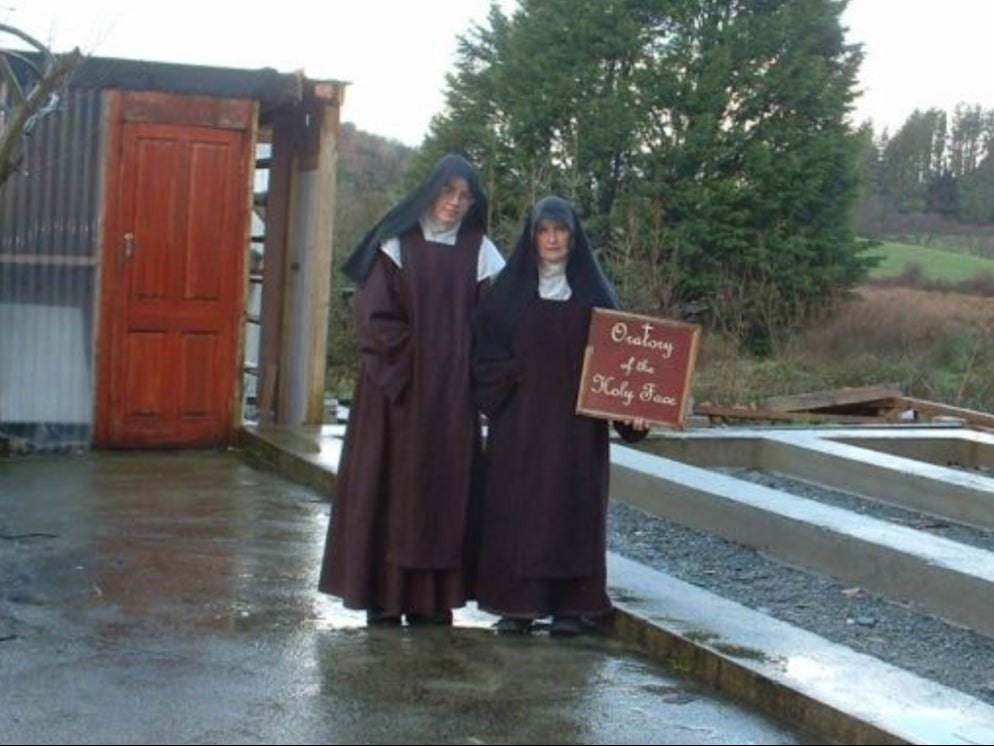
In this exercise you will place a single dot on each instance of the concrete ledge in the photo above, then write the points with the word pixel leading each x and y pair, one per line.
pixel 787 672
pixel 909 483
pixel 947 578
pixel 907 467
pixel 307 456
pixel 969 448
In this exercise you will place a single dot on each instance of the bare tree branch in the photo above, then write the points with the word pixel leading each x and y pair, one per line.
pixel 28 100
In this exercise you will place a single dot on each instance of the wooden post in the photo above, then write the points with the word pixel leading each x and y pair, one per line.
pixel 321 244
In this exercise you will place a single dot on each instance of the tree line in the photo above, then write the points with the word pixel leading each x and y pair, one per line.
pixel 707 143
pixel 937 168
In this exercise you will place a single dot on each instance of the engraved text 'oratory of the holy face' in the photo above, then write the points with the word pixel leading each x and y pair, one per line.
pixel 648 347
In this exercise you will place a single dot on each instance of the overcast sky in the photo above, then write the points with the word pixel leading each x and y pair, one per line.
pixel 395 53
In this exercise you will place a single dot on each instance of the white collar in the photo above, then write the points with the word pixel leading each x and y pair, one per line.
pixel 437 232
pixel 552 282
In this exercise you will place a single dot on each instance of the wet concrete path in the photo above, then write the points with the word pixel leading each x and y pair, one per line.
pixel 169 597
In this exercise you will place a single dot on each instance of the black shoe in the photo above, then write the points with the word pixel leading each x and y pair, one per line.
pixel 379 617
pixel 566 625
pixel 507 625
pixel 438 618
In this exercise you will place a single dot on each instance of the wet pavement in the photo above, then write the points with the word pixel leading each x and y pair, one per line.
pixel 169 597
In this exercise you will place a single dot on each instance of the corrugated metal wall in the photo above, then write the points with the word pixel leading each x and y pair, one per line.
pixel 49 262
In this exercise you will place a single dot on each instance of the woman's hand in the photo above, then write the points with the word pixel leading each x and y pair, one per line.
pixel 639 423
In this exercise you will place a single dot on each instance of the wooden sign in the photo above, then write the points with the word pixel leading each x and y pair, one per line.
pixel 637 366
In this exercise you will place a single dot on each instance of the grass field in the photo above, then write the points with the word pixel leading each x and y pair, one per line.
pixel 937 265
pixel 925 321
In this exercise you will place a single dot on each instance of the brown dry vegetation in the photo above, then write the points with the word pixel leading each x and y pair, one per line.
pixel 936 345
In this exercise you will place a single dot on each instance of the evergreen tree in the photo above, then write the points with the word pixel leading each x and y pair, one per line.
pixel 705 142
pixel 913 158
pixel 972 149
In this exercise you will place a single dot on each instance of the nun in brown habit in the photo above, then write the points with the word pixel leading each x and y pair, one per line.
pixel 542 543
pixel 403 503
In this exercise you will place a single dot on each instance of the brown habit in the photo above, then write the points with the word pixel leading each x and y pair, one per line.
pixel 542 546
pixel 403 503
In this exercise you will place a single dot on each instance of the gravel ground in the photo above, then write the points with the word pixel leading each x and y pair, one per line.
pixel 868 623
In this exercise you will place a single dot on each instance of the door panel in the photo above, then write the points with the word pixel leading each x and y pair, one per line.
pixel 174 269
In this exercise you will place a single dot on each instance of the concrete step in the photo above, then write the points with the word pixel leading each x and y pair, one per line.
pixel 944 472
pixel 943 577
pixel 785 671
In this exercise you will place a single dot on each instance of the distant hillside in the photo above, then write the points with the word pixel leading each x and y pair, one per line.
pixel 369 169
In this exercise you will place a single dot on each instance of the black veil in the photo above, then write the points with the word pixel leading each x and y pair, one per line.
pixel 405 214
pixel 517 284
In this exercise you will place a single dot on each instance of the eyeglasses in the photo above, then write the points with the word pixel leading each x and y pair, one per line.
pixel 450 193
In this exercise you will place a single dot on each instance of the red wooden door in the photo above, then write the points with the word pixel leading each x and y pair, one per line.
pixel 173 286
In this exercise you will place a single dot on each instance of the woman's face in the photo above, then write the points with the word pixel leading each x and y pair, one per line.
pixel 552 239
pixel 453 202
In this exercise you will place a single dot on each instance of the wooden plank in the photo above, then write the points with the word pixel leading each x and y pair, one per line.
pixel 320 242
pixel 268 387
pixel 739 412
pixel 832 398
pixel 936 409
pixel 271 330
